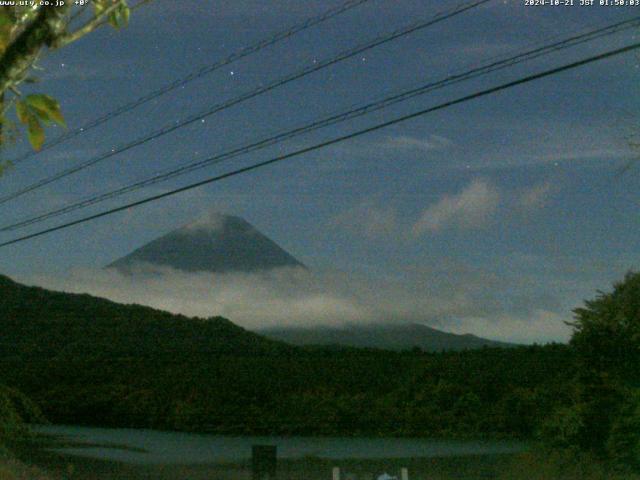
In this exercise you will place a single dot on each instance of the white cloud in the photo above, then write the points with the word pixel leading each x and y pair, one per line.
pixel 210 222
pixel 540 326
pixel 449 297
pixel 288 296
pixel 293 296
pixel 472 208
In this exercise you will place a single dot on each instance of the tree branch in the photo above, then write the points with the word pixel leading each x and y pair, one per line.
pixel 87 28
pixel 46 27
pixel 23 20
pixel 93 24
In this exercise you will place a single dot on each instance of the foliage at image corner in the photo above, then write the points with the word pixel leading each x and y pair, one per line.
pixel 26 31
pixel 603 417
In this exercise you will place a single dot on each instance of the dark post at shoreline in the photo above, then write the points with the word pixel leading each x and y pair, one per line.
pixel 263 462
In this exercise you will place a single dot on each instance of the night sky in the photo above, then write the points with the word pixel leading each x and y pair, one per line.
pixel 514 200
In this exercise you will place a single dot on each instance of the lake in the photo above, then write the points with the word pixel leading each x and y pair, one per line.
pixel 192 448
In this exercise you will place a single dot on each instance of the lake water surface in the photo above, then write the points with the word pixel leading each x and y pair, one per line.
pixel 190 448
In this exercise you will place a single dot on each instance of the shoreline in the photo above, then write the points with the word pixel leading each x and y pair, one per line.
pixel 74 467
pixel 438 436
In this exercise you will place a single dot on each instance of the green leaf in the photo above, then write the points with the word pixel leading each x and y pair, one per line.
pixel 46 107
pixel 6 18
pixel 22 110
pixel 113 20
pixel 6 28
pixel 120 16
pixel 126 13
pixel 36 133
pixel 100 6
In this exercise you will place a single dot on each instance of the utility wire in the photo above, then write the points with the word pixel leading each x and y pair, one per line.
pixel 386 38
pixel 334 119
pixel 280 158
pixel 244 52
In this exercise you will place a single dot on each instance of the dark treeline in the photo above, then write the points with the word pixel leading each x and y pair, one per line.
pixel 321 392
pixel 309 392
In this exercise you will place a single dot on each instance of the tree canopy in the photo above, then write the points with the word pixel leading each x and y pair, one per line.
pixel 603 417
pixel 26 32
pixel 607 332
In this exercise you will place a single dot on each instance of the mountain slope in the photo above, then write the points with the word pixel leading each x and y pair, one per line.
pixel 222 243
pixel 386 336
pixel 46 324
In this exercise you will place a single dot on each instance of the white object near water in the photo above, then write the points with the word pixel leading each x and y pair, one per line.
pixel 336 473
pixel 386 476
pixel 404 474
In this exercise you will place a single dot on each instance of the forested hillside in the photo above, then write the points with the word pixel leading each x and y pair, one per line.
pixel 91 361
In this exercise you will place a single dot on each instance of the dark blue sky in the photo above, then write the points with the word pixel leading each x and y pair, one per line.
pixel 513 199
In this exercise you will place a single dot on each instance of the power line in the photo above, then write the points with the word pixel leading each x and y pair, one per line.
pixel 466 98
pixel 244 52
pixel 334 119
pixel 386 38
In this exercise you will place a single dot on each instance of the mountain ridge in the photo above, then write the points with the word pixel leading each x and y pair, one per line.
pixel 390 336
pixel 219 243
pixel 50 322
